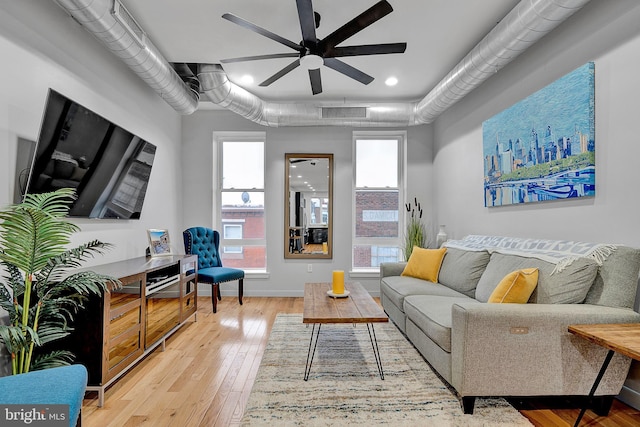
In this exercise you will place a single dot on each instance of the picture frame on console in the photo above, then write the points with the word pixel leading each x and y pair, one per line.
pixel 159 242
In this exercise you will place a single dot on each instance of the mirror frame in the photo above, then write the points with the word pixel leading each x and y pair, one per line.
pixel 286 215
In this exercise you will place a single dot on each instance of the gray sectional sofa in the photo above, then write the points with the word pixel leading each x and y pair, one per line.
pixel 517 350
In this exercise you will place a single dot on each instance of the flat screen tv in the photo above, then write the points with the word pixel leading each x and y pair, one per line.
pixel 108 166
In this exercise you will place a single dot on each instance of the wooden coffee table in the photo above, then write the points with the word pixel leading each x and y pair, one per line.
pixel 623 338
pixel 358 307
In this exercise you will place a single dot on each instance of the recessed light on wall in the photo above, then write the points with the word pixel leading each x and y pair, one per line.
pixel 391 81
pixel 246 79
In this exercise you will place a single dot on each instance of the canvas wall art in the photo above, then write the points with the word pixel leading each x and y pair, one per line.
pixel 543 147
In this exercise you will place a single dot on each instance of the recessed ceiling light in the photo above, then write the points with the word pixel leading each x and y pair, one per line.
pixel 391 81
pixel 246 79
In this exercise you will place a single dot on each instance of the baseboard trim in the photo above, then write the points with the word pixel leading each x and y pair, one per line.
pixel 630 397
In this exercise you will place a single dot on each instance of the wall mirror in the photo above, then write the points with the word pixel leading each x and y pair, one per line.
pixel 308 218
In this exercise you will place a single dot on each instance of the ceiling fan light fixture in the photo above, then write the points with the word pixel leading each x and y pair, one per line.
pixel 311 62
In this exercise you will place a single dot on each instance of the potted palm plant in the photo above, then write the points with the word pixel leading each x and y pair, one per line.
pixel 40 290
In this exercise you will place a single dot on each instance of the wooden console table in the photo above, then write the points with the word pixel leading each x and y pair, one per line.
pixel 156 297
pixel 623 338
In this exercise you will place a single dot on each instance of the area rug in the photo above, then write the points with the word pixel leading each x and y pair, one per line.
pixel 345 389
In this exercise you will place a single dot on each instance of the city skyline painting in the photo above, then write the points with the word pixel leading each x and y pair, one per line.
pixel 543 147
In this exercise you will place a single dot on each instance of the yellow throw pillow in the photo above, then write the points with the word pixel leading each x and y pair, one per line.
pixel 424 263
pixel 516 287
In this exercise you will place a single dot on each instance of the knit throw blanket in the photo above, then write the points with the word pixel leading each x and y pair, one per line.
pixel 559 252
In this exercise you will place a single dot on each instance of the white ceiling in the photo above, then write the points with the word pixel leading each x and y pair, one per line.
pixel 438 33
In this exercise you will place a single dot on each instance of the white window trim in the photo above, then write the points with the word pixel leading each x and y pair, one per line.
pixel 402 175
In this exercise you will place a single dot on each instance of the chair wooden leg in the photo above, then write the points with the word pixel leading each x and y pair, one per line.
pixel 219 294
pixel 215 290
pixel 240 291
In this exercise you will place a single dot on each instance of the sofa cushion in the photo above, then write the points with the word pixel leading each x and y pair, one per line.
pixel 515 287
pixel 617 279
pixel 568 286
pixel 396 288
pixel 461 269
pixel 432 314
pixel 424 263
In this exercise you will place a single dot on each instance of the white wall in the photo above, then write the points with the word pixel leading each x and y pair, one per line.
pixel 287 277
pixel 607 33
pixel 41 48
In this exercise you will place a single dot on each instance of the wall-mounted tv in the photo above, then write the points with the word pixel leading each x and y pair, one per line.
pixel 108 166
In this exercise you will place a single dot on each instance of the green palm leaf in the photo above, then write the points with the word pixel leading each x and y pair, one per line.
pixel 15 279
pixel 35 230
pixel 6 302
pixel 53 359
pixel 13 338
pixel 52 332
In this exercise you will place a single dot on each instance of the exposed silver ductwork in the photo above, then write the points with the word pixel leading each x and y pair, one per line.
pixel 112 24
pixel 220 90
pixel 527 23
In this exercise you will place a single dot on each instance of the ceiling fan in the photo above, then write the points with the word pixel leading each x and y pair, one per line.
pixel 312 52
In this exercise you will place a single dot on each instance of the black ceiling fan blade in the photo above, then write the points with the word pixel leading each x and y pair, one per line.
pixel 316 81
pixel 259 57
pixel 253 27
pixel 295 64
pixel 366 18
pixel 348 70
pixel 366 49
pixel 307 21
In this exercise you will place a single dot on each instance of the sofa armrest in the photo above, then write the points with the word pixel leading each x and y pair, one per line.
pixel 526 349
pixel 64 385
pixel 391 268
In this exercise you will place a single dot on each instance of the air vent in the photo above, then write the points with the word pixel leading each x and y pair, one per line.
pixel 344 112
pixel 122 15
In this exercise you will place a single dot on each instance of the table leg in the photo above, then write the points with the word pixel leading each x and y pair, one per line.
pixel 605 364
pixel 313 342
pixel 376 350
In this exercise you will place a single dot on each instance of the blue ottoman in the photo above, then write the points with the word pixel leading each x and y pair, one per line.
pixel 64 385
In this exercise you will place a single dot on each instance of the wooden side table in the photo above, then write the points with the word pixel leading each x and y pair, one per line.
pixel 623 338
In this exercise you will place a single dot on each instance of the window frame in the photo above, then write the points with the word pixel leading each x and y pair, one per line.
pixel 401 138
pixel 219 138
pixel 228 249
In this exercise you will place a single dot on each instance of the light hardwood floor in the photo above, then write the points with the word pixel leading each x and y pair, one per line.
pixel 205 375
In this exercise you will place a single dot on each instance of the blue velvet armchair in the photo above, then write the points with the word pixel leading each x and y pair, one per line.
pixel 205 243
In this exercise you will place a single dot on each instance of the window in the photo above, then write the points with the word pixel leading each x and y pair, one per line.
pixel 377 197
pixel 239 211
pixel 319 210
pixel 231 231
